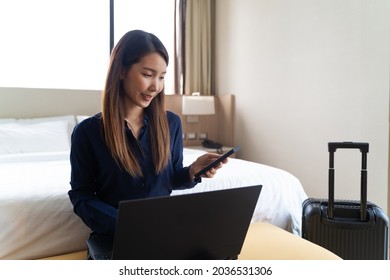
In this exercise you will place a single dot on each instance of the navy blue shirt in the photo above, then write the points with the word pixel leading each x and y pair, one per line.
pixel 98 183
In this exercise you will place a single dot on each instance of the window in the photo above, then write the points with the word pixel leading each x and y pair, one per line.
pixel 155 16
pixel 54 44
pixel 65 43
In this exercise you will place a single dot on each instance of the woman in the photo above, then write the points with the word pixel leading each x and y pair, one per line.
pixel 133 148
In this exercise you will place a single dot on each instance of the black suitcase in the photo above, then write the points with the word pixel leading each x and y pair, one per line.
pixel 353 230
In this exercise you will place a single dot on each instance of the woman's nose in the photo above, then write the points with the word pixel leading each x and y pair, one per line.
pixel 155 85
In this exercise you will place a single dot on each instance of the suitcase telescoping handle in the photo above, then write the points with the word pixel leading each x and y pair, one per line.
pixel 363 147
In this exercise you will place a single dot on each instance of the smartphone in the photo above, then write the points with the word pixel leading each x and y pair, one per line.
pixel 218 160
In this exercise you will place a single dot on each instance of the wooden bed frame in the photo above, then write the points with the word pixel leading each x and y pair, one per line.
pixel 263 242
pixel 32 102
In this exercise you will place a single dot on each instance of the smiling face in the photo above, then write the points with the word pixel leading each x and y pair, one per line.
pixel 144 81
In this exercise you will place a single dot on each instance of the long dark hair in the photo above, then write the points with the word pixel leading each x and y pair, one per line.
pixel 129 50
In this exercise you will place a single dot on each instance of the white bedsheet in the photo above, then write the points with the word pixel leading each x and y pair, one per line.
pixel 280 201
pixel 37 219
pixel 36 216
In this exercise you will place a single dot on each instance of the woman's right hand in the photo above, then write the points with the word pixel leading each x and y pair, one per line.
pixel 202 162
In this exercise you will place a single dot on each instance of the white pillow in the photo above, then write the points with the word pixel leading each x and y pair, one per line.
pixel 8 120
pixel 80 118
pixel 28 137
pixel 70 119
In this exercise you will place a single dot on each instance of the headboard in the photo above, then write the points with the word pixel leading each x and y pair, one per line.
pixel 219 127
pixel 32 102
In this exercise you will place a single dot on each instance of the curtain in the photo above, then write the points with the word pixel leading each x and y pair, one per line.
pixel 180 7
pixel 194 55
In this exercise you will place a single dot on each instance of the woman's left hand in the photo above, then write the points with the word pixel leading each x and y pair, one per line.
pixel 202 162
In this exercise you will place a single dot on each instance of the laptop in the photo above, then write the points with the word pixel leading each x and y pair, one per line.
pixel 206 225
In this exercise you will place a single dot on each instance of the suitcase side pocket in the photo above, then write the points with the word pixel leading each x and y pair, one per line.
pixel 347 216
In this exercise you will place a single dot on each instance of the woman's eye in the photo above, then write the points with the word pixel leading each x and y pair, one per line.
pixel 147 75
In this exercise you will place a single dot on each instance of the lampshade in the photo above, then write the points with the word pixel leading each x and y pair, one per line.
pixel 198 105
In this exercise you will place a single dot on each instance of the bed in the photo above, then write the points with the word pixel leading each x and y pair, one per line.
pixel 36 216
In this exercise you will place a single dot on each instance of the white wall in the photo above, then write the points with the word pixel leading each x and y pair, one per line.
pixel 306 72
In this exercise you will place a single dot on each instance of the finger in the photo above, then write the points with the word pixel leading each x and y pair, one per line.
pixel 210 173
pixel 218 166
pixel 213 171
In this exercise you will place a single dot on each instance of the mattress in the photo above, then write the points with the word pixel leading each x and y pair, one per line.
pixel 280 201
pixel 37 218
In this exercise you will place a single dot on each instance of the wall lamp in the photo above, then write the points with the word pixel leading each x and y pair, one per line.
pixel 195 105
